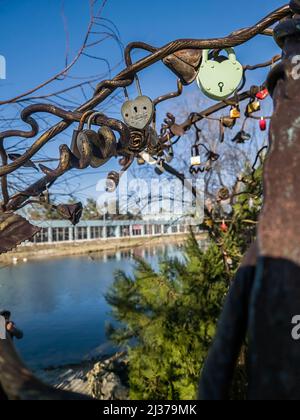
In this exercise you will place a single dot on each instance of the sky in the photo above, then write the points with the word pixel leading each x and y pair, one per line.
pixel 33 41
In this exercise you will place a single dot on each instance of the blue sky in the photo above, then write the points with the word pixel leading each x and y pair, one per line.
pixel 33 36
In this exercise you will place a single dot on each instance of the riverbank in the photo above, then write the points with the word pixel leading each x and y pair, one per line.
pixel 103 380
pixel 112 245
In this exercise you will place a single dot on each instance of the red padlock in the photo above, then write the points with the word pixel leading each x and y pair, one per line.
pixel 263 94
pixel 263 124
pixel 224 227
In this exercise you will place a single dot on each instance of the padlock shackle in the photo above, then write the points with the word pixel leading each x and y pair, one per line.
pixel 231 54
pixel 196 150
pixel 205 56
pixel 230 51
pixel 91 119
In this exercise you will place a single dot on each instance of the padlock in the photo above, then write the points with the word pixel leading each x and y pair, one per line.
pixel 253 106
pixel 112 181
pixel 159 169
pixel 235 112
pixel 103 143
pixel 241 137
pixel 224 227
pixel 223 194
pixel 228 122
pixel 263 94
pixel 74 148
pixel 196 158
pixel 138 114
pixel 212 156
pixel 140 161
pixel 263 124
pixel 169 156
pixel 220 78
pixel 209 223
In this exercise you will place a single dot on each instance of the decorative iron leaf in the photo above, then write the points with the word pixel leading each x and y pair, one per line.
pixel 14 230
pixel 185 64
pixel 241 137
pixel 28 164
pixel 71 212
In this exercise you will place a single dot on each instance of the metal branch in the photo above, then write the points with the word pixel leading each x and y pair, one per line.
pixel 18 383
pixel 126 76
pixel 168 96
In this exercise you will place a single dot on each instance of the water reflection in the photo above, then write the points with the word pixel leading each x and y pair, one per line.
pixel 60 303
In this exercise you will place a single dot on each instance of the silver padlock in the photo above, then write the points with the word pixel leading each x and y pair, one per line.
pixel 138 113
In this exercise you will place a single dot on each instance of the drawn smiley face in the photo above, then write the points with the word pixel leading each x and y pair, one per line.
pixel 138 113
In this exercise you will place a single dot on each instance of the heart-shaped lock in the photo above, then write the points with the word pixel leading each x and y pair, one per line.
pixel 220 78
pixel 138 113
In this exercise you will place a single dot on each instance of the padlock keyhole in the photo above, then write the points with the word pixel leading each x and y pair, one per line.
pixel 221 86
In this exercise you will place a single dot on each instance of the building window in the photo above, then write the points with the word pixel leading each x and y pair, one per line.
pixel 81 233
pixel 182 228
pixel 111 232
pixel 60 234
pixel 148 229
pixel 157 229
pixel 137 230
pixel 42 236
pixel 96 232
pixel 125 231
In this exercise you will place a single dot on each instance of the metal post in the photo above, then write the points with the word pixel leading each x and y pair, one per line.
pixel 264 297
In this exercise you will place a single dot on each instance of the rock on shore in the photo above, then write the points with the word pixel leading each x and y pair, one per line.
pixel 106 380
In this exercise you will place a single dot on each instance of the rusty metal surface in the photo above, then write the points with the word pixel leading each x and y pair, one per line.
pixel 18 383
pixel 282 187
pixel 268 295
pixel 274 355
pixel 218 371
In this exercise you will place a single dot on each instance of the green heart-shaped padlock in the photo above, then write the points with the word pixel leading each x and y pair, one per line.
pixel 218 79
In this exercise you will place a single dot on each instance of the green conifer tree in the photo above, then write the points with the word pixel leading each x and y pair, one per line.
pixel 167 318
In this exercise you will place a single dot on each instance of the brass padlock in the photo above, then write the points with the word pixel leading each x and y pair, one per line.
pixel 140 161
pixel 228 122
pixel 235 112
pixel 253 106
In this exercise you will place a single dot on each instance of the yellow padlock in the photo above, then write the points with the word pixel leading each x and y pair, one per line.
pixel 235 112
pixel 209 223
pixel 141 161
pixel 253 106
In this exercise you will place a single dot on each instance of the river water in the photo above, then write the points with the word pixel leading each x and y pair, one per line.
pixel 60 304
